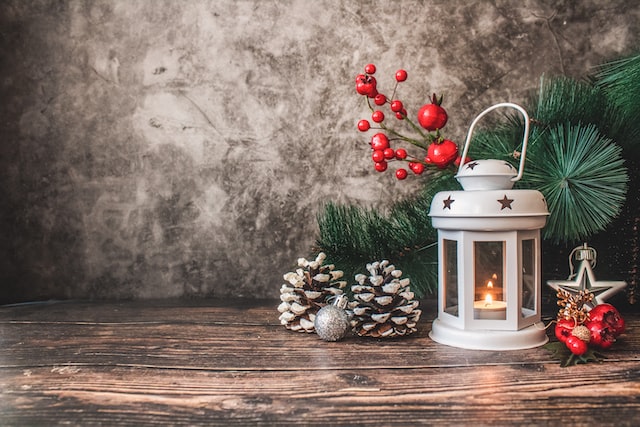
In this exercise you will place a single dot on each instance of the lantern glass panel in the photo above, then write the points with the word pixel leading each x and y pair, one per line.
pixel 450 276
pixel 489 295
pixel 528 278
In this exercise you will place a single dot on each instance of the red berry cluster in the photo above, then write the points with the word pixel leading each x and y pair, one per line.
pixel 440 152
pixel 600 328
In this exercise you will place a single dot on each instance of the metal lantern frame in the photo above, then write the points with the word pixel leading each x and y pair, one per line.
pixel 489 232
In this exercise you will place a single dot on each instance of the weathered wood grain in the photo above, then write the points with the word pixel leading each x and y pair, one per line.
pixel 193 363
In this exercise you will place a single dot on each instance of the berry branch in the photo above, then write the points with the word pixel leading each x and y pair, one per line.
pixel 582 330
pixel 432 117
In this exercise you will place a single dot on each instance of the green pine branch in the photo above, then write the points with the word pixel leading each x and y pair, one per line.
pixel 353 236
pixel 582 176
pixel 619 81
pixel 571 157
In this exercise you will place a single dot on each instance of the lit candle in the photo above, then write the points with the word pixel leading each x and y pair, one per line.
pixel 489 309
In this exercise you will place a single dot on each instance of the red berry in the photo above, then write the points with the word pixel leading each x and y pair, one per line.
pixel 442 154
pixel 459 159
pixel 609 315
pixel 402 114
pixel 380 99
pixel 364 125
pixel 417 168
pixel 401 154
pixel 366 85
pixel 370 69
pixel 379 141
pixel 576 345
pixel 377 156
pixel 432 116
pixel 401 173
pixel 401 75
pixel 381 166
pixel 601 335
pixel 389 153
pixel 563 329
pixel 396 106
pixel 377 116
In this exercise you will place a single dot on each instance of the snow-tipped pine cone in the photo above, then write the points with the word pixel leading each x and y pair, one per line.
pixel 383 305
pixel 306 291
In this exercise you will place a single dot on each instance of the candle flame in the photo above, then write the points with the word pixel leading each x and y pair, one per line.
pixel 490 284
pixel 488 300
pixel 495 276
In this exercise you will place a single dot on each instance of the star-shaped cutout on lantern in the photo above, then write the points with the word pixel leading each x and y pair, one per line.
pixel 472 165
pixel 447 202
pixel 505 202
pixel 586 281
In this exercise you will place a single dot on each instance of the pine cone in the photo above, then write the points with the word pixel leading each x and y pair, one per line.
pixel 383 305
pixel 306 292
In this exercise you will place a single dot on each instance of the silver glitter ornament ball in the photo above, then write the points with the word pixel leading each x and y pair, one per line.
pixel 332 322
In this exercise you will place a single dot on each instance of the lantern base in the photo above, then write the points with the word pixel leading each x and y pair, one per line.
pixel 483 339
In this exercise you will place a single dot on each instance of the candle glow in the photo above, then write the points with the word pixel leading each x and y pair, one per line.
pixel 488 300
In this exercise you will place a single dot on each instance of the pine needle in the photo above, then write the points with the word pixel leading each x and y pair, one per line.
pixel 563 99
pixel 620 82
pixel 582 176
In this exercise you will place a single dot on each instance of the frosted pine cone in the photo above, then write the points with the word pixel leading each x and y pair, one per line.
pixel 383 305
pixel 306 291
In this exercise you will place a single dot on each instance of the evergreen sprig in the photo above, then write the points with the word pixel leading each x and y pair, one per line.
pixel 563 99
pixel 353 236
pixel 582 176
pixel 619 81
pixel 571 157
pixel 559 100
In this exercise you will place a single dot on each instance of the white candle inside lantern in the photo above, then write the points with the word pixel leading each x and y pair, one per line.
pixel 489 309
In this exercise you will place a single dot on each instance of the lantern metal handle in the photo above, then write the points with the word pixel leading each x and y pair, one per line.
pixel 525 137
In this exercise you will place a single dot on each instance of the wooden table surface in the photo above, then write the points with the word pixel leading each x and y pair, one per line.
pixel 213 363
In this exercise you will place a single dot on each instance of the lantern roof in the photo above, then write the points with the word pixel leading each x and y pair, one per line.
pixel 490 203
pixel 496 209
pixel 487 175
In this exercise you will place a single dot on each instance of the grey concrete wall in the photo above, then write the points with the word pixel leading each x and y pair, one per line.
pixel 183 148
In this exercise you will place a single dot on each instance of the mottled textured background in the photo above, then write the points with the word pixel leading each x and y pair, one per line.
pixel 183 148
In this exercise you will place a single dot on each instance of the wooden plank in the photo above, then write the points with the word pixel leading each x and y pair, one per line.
pixel 155 341
pixel 172 311
pixel 502 395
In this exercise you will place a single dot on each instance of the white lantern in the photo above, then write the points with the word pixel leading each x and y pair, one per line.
pixel 489 278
